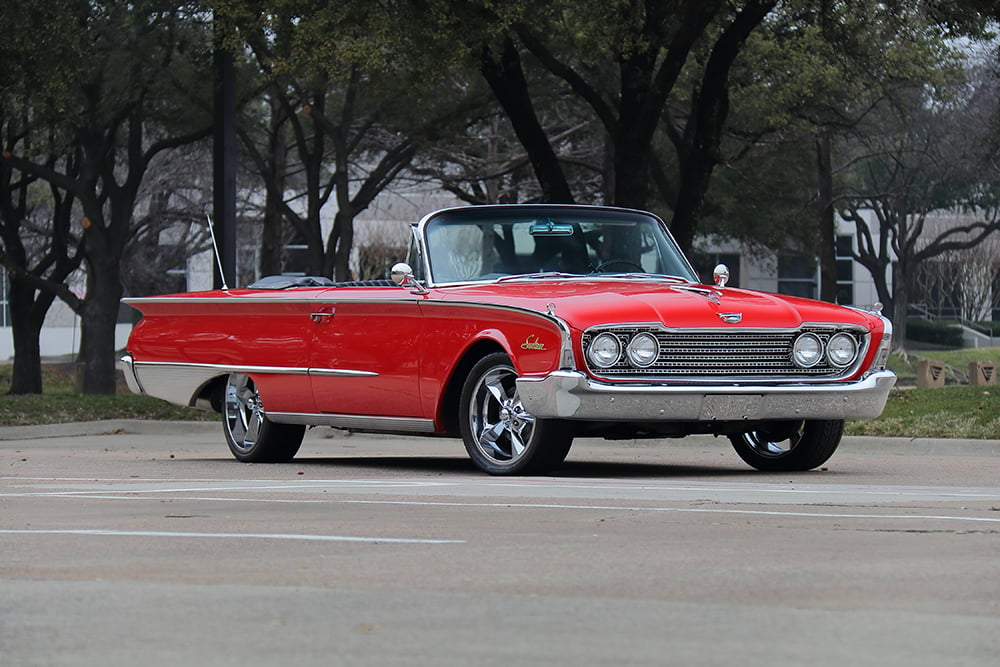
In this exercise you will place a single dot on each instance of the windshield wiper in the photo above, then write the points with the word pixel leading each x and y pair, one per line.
pixel 641 276
pixel 559 274
pixel 541 274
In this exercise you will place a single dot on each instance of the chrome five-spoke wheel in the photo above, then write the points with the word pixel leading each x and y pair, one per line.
pixel 500 436
pixel 251 436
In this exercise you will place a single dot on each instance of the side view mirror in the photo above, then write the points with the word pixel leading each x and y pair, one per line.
pixel 402 275
pixel 720 275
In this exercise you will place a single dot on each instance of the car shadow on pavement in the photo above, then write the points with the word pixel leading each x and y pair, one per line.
pixel 421 465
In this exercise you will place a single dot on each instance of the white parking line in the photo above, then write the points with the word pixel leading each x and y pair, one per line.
pixel 682 510
pixel 547 506
pixel 750 492
pixel 256 536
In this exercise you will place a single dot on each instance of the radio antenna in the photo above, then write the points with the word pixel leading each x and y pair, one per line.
pixel 215 248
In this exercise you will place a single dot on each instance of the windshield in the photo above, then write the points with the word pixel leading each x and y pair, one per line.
pixel 490 243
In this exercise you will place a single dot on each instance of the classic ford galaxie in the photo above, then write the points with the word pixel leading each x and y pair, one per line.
pixel 519 328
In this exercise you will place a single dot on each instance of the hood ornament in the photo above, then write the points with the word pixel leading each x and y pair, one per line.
pixel 731 318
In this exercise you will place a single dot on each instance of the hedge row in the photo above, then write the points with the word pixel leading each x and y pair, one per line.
pixel 938 333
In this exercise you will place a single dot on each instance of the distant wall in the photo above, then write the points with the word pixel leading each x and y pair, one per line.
pixel 58 341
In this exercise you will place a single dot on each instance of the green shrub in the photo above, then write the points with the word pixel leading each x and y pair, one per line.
pixel 992 327
pixel 938 333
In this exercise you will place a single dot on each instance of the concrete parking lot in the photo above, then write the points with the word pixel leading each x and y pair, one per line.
pixel 133 541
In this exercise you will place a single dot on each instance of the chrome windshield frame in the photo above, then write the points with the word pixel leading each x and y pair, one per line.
pixel 486 212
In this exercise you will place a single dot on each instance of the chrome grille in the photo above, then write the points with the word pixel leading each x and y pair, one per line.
pixel 723 355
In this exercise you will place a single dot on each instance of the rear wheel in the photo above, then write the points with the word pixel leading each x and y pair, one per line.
pixel 252 437
pixel 789 446
pixel 500 436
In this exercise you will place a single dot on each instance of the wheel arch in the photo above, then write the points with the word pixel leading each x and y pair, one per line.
pixel 209 396
pixel 448 406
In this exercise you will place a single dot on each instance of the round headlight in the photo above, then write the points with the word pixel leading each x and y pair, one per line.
pixel 643 350
pixel 807 350
pixel 841 350
pixel 605 350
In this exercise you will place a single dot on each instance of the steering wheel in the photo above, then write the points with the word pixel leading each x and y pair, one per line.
pixel 608 263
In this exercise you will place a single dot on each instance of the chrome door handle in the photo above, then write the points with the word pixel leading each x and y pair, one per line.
pixel 318 317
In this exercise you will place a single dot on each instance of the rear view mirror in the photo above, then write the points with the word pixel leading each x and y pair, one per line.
pixel 549 228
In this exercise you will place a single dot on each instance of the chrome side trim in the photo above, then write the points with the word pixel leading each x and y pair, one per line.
pixel 358 422
pixel 573 395
pixel 180 383
pixel 174 383
pixel 136 302
pixel 341 372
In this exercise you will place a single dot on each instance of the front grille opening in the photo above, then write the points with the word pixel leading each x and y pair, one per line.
pixel 722 355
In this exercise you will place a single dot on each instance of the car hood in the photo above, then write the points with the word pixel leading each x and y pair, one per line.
pixel 584 303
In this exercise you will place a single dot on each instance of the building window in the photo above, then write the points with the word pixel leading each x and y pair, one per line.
pixel 845 271
pixel 295 258
pixel 796 276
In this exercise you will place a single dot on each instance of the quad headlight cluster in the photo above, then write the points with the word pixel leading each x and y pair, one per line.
pixel 840 350
pixel 606 350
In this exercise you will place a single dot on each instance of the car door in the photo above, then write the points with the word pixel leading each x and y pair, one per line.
pixel 364 358
pixel 265 335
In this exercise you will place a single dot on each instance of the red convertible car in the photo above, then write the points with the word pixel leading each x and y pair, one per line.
pixel 517 329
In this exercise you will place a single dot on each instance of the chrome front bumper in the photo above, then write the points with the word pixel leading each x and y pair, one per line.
pixel 573 395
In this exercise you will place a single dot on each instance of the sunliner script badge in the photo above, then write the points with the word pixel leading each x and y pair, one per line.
pixel 531 343
pixel 731 318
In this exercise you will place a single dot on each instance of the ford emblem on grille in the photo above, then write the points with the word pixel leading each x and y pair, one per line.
pixel 731 318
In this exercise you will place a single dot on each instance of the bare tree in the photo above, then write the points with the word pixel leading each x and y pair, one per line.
pixel 920 159
pixel 169 225
pixel 121 107
pixel 961 283
pixel 39 249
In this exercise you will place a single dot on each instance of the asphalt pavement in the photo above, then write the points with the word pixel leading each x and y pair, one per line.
pixel 126 542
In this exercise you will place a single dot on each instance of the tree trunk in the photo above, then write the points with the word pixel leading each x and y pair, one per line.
pixel 271 236
pixel 506 79
pixel 827 221
pixel 700 152
pixel 339 246
pixel 342 269
pixel 631 160
pixel 700 155
pixel 638 116
pixel 97 327
pixel 900 303
pixel 27 317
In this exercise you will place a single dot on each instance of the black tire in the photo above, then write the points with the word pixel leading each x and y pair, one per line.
pixel 789 446
pixel 500 437
pixel 251 436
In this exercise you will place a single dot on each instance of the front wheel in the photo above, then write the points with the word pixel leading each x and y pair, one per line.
pixel 252 437
pixel 789 446
pixel 500 436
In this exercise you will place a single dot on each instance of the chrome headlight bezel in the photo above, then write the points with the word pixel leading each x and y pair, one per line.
pixel 835 347
pixel 605 350
pixel 643 350
pixel 807 350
